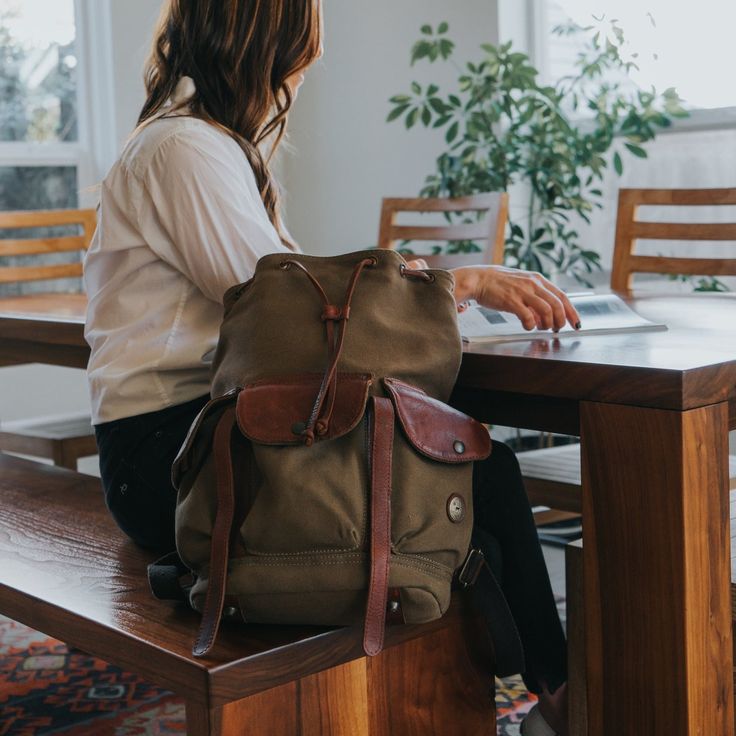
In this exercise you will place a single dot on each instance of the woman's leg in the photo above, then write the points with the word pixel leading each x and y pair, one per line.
pixel 136 455
pixel 502 510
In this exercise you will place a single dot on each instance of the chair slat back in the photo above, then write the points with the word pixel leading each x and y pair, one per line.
pixel 489 231
pixel 84 220
pixel 629 230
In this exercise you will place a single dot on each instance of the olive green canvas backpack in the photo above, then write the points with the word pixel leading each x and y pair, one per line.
pixel 327 481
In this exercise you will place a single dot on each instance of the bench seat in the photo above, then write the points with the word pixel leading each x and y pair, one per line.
pixel 67 571
pixel 62 439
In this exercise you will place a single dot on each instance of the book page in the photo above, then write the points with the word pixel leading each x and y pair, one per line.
pixel 599 313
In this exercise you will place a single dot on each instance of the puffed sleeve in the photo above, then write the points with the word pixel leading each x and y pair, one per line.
pixel 203 200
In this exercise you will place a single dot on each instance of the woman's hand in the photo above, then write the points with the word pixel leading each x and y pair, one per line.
pixel 531 297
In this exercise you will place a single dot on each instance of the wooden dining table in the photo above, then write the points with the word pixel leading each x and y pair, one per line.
pixel 653 411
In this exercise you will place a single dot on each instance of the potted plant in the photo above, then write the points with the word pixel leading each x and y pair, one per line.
pixel 504 127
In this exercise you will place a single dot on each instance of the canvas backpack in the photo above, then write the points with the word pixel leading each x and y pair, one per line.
pixel 327 481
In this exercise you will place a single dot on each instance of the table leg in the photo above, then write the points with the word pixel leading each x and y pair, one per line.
pixel 656 570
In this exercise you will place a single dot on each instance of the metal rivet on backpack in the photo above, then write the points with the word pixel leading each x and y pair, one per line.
pixel 394 607
pixel 459 447
pixel 298 428
pixel 456 508
pixel 230 612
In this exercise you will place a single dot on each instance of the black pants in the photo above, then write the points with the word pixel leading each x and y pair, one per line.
pixel 135 462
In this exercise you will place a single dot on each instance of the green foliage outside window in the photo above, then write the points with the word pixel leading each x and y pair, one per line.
pixel 42 111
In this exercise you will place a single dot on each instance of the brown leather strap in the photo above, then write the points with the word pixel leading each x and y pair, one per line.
pixel 221 534
pixel 245 495
pixel 318 422
pixel 286 265
pixel 382 441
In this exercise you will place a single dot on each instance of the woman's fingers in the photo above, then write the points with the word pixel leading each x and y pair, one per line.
pixel 530 296
pixel 529 318
pixel 418 264
pixel 571 314
pixel 556 304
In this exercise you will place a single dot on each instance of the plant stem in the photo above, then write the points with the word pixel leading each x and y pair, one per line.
pixel 530 220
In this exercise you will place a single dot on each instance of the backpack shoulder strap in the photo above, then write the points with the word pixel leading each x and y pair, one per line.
pixel 381 448
pixel 221 534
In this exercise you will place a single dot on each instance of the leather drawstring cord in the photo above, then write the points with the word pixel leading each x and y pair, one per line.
pixel 331 314
pixel 413 273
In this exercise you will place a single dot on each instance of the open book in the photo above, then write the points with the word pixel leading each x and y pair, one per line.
pixel 600 314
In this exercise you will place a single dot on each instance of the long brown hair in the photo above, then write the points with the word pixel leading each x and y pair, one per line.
pixel 240 54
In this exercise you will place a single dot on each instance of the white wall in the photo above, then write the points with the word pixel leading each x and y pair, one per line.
pixel 346 156
pixel 133 22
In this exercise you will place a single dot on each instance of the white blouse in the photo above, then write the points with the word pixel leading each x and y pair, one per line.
pixel 180 221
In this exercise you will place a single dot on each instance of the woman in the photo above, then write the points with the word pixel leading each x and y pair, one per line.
pixel 186 212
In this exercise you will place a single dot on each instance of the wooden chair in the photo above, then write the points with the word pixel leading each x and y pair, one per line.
pixel 552 475
pixel 629 230
pixel 489 230
pixel 60 439
pixel 69 572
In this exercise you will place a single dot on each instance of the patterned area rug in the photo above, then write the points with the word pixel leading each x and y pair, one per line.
pixel 46 688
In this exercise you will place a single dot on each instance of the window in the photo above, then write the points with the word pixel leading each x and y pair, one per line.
pixel 671 51
pixel 47 151
pixel 40 146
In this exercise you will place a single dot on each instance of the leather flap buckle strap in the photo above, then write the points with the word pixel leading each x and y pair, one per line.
pixel 472 568
pixel 270 411
pixel 435 429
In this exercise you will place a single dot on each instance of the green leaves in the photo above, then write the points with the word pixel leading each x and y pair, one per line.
pixel 638 151
pixel 435 46
pixel 502 126
pixel 397 112
pixel 618 163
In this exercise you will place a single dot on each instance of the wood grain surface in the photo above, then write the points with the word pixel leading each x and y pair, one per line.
pixel 657 570
pixel 43 328
pixel 692 364
pixel 429 686
pixel 67 571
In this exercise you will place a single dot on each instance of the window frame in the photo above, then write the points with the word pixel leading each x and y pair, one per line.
pixel 699 119
pixel 95 148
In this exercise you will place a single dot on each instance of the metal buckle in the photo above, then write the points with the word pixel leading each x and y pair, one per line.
pixel 471 568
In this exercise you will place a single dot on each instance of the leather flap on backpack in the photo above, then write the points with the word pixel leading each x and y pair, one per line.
pixel 199 437
pixel 436 429
pixel 275 411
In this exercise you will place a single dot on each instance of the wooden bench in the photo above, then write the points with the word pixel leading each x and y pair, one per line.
pixel 67 571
